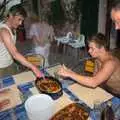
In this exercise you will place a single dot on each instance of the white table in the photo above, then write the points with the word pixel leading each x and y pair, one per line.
pixel 77 91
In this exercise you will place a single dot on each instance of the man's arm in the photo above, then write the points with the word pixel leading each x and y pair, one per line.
pixel 6 38
pixel 102 75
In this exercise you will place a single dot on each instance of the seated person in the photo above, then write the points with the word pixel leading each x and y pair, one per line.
pixel 107 72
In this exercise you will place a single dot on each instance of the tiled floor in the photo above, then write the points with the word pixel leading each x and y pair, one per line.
pixel 68 58
pixel 57 55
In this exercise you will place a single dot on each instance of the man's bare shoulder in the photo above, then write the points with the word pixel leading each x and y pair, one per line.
pixel 117 62
pixel 114 62
pixel 4 33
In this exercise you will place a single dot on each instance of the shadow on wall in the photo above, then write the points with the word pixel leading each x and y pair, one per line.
pixel 116 52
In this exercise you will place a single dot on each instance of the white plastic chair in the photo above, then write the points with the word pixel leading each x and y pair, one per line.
pixel 78 44
pixel 82 40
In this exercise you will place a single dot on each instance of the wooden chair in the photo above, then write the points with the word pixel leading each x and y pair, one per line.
pixel 36 59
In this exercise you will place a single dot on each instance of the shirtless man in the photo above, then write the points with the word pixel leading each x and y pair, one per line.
pixel 107 71
pixel 8 50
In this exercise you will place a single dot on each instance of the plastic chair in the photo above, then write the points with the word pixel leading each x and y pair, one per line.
pixel 89 65
pixel 77 44
pixel 81 40
pixel 36 59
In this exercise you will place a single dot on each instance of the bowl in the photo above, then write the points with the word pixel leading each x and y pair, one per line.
pixel 39 107
pixel 73 111
pixel 50 86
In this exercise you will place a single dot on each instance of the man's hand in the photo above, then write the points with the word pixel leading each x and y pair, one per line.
pixel 37 72
pixel 64 71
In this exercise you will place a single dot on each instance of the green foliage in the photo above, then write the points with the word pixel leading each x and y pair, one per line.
pixel 57 12
pixel 3 7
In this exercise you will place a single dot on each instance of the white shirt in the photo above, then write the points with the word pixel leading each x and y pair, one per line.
pixel 5 57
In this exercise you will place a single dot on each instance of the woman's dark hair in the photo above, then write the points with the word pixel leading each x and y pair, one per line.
pixel 17 10
pixel 99 39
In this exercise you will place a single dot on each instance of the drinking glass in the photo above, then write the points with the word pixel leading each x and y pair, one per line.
pixel 56 75
pixel 117 113
pixel 97 109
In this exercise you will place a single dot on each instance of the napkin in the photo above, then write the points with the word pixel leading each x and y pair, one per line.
pixel 24 77
pixel 89 95
pixel 12 97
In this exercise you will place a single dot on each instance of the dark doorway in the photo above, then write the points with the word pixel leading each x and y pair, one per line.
pixel 118 39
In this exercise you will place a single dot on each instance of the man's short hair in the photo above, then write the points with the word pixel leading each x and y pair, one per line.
pixel 17 10
pixel 99 39
pixel 116 5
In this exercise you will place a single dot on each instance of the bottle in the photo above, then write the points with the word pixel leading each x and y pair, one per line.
pixel 107 113
pixel 97 109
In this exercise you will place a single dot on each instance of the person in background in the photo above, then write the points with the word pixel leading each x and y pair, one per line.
pixel 8 50
pixel 107 67
pixel 115 13
pixel 115 16
pixel 42 35
pixel 27 24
